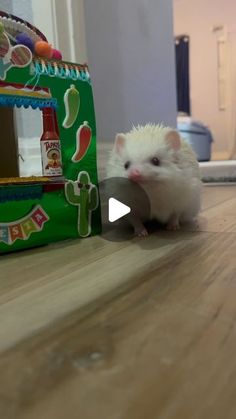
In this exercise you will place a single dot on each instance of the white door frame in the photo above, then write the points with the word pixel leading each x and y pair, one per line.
pixel 62 22
pixel 43 18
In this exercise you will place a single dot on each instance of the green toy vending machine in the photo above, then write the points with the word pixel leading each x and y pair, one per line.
pixel 63 202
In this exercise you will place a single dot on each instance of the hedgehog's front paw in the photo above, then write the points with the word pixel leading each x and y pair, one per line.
pixel 173 224
pixel 141 232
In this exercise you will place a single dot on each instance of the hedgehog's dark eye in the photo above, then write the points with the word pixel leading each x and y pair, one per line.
pixel 155 161
pixel 127 165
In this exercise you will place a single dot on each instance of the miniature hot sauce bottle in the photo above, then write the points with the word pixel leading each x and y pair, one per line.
pixel 50 146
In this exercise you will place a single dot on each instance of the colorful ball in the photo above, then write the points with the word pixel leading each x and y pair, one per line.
pixel 43 49
pixel 24 39
pixel 56 54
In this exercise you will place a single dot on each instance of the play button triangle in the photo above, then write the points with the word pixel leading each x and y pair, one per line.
pixel 117 210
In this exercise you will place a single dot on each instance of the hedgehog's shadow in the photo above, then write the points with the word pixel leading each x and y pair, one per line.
pixel 159 236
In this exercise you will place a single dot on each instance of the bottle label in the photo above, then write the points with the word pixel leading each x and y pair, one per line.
pixel 51 158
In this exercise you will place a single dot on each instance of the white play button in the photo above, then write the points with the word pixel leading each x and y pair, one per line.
pixel 122 203
pixel 117 210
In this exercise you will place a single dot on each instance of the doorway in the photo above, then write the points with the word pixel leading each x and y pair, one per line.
pixel 211 31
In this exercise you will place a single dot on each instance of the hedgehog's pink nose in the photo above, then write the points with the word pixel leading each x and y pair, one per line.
pixel 135 175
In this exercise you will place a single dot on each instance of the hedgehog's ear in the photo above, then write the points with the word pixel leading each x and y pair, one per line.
pixel 119 142
pixel 173 139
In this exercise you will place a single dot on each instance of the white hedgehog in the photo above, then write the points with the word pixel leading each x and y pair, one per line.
pixel 165 166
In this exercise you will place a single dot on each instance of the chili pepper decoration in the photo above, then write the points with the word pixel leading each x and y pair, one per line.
pixel 83 140
pixel 72 105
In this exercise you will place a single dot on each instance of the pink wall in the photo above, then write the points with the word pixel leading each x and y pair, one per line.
pixel 196 18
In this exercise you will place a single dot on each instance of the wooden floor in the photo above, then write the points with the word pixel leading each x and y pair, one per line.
pixel 136 330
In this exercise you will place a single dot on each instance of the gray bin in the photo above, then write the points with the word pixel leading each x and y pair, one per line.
pixel 199 137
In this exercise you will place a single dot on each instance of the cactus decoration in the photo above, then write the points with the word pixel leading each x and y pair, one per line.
pixel 83 194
